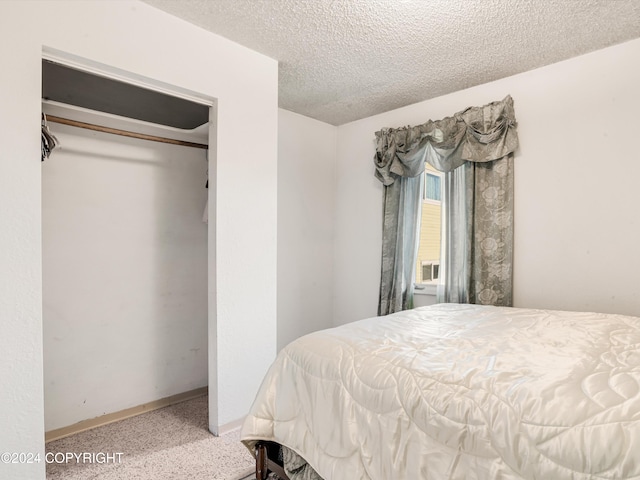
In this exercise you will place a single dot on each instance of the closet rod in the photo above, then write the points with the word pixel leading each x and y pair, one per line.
pixel 124 133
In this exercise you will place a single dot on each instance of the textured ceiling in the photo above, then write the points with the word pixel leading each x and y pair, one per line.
pixel 342 60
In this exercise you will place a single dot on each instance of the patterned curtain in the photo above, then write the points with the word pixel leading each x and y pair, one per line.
pixel 475 149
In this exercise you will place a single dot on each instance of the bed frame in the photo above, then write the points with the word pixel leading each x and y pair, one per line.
pixel 267 464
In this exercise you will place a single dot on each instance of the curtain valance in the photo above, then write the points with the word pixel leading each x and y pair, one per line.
pixel 477 134
pixel 476 262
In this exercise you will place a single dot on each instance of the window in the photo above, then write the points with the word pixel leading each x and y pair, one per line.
pixel 432 187
pixel 430 271
pixel 428 262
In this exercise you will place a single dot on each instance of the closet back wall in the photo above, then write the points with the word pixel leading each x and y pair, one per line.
pixel 124 273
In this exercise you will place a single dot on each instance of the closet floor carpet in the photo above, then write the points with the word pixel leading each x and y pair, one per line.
pixel 171 443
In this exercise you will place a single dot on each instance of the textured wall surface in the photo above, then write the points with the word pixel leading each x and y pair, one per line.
pixel 306 173
pixel 576 199
pixel 348 59
pixel 132 37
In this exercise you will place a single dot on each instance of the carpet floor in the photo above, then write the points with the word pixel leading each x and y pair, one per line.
pixel 172 443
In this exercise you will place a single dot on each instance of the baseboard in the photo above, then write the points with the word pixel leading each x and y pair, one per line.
pixel 84 425
pixel 230 427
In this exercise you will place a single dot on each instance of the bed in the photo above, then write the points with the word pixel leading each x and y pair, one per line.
pixel 455 392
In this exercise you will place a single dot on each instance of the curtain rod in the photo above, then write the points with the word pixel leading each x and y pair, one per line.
pixel 124 133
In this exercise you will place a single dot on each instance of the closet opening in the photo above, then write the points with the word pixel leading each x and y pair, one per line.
pixel 124 240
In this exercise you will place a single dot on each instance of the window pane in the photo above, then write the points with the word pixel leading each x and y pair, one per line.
pixel 426 272
pixel 432 187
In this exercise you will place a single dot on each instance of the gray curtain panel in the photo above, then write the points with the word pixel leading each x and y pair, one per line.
pixel 401 223
pixel 475 150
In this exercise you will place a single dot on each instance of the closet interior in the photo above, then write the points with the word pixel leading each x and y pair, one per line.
pixel 124 194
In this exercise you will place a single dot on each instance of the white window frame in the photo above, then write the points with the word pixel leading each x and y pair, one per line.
pixel 425 263
pixel 429 288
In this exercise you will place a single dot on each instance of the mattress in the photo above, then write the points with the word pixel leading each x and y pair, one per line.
pixel 459 392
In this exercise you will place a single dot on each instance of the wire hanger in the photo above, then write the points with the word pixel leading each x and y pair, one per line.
pixel 49 140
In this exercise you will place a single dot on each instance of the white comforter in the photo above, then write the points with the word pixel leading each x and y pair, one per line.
pixel 460 392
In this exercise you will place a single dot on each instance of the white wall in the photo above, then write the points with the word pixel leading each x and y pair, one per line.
pixel 306 172
pixel 124 253
pixel 576 195
pixel 422 299
pixel 136 38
